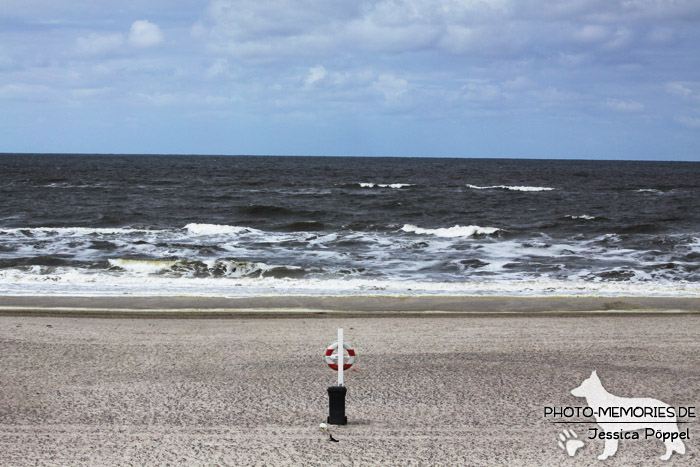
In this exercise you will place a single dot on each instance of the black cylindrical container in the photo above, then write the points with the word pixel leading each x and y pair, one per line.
pixel 336 405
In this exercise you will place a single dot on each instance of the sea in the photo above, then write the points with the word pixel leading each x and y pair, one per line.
pixel 236 226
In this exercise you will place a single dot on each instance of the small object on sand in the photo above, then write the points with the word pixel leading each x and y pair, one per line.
pixel 323 427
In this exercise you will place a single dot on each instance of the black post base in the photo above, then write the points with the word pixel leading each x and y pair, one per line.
pixel 336 405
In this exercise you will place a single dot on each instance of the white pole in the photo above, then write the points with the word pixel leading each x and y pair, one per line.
pixel 341 353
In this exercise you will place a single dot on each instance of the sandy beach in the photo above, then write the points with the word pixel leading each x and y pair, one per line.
pixel 458 387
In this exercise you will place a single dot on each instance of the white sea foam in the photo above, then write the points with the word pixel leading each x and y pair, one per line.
pixel 450 232
pixel 240 269
pixel 511 188
pixel 385 185
pixel 217 229
pixel 192 269
pixel 323 239
pixel 141 266
pixel 386 260
pixel 80 283
pixel 584 217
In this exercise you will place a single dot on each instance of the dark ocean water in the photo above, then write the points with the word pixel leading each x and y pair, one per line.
pixel 232 225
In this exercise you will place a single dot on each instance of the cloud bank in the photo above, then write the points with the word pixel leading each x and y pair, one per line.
pixel 575 78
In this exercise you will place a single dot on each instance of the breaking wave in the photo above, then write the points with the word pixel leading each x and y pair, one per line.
pixel 217 229
pixel 650 190
pixel 385 185
pixel 205 269
pixel 510 188
pixel 451 232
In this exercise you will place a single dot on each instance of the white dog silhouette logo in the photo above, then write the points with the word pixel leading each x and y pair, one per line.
pixel 609 409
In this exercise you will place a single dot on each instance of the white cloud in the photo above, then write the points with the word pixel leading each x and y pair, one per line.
pixel 482 92
pixel 27 92
pixel 316 74
pixel 459 38
pixel 553 96
pixel 255 29
pixel 86 93
pixel 372 33
pixel 217 101
pixel 97 44
pixel 623 105
pixel 621 38
pixel 344 85
pixel 692 122
pixel 220 68
pixel 608 11
pixel 259 30
pixel 572 59
pixel 141 34
pixel 265 32
pixel 391 87
pixel 590 33
pixel 656 10
pixel 518 84
pixel 682 90
pixel 158 98
pixel 335 90
pixel 145 34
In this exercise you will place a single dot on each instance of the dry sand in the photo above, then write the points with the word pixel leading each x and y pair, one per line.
pixel 426 390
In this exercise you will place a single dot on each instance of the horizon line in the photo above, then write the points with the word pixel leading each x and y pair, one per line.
pixel 534 158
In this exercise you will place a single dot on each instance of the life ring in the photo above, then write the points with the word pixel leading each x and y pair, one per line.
pixel 333 362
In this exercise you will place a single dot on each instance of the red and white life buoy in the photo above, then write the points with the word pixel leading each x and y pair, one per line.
pixel 333 362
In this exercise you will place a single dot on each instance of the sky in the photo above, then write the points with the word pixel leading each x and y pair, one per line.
pixel 592 79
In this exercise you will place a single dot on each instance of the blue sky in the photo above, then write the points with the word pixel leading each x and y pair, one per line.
pixel 493 78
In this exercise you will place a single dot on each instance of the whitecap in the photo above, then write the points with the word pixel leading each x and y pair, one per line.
pixel 584 217
pixel 385 185
pixel 141 266
pixel 510 188
pixel 650 190
pixel 226 268
pixel 450 232
pixel 322 239
pixel 216 229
